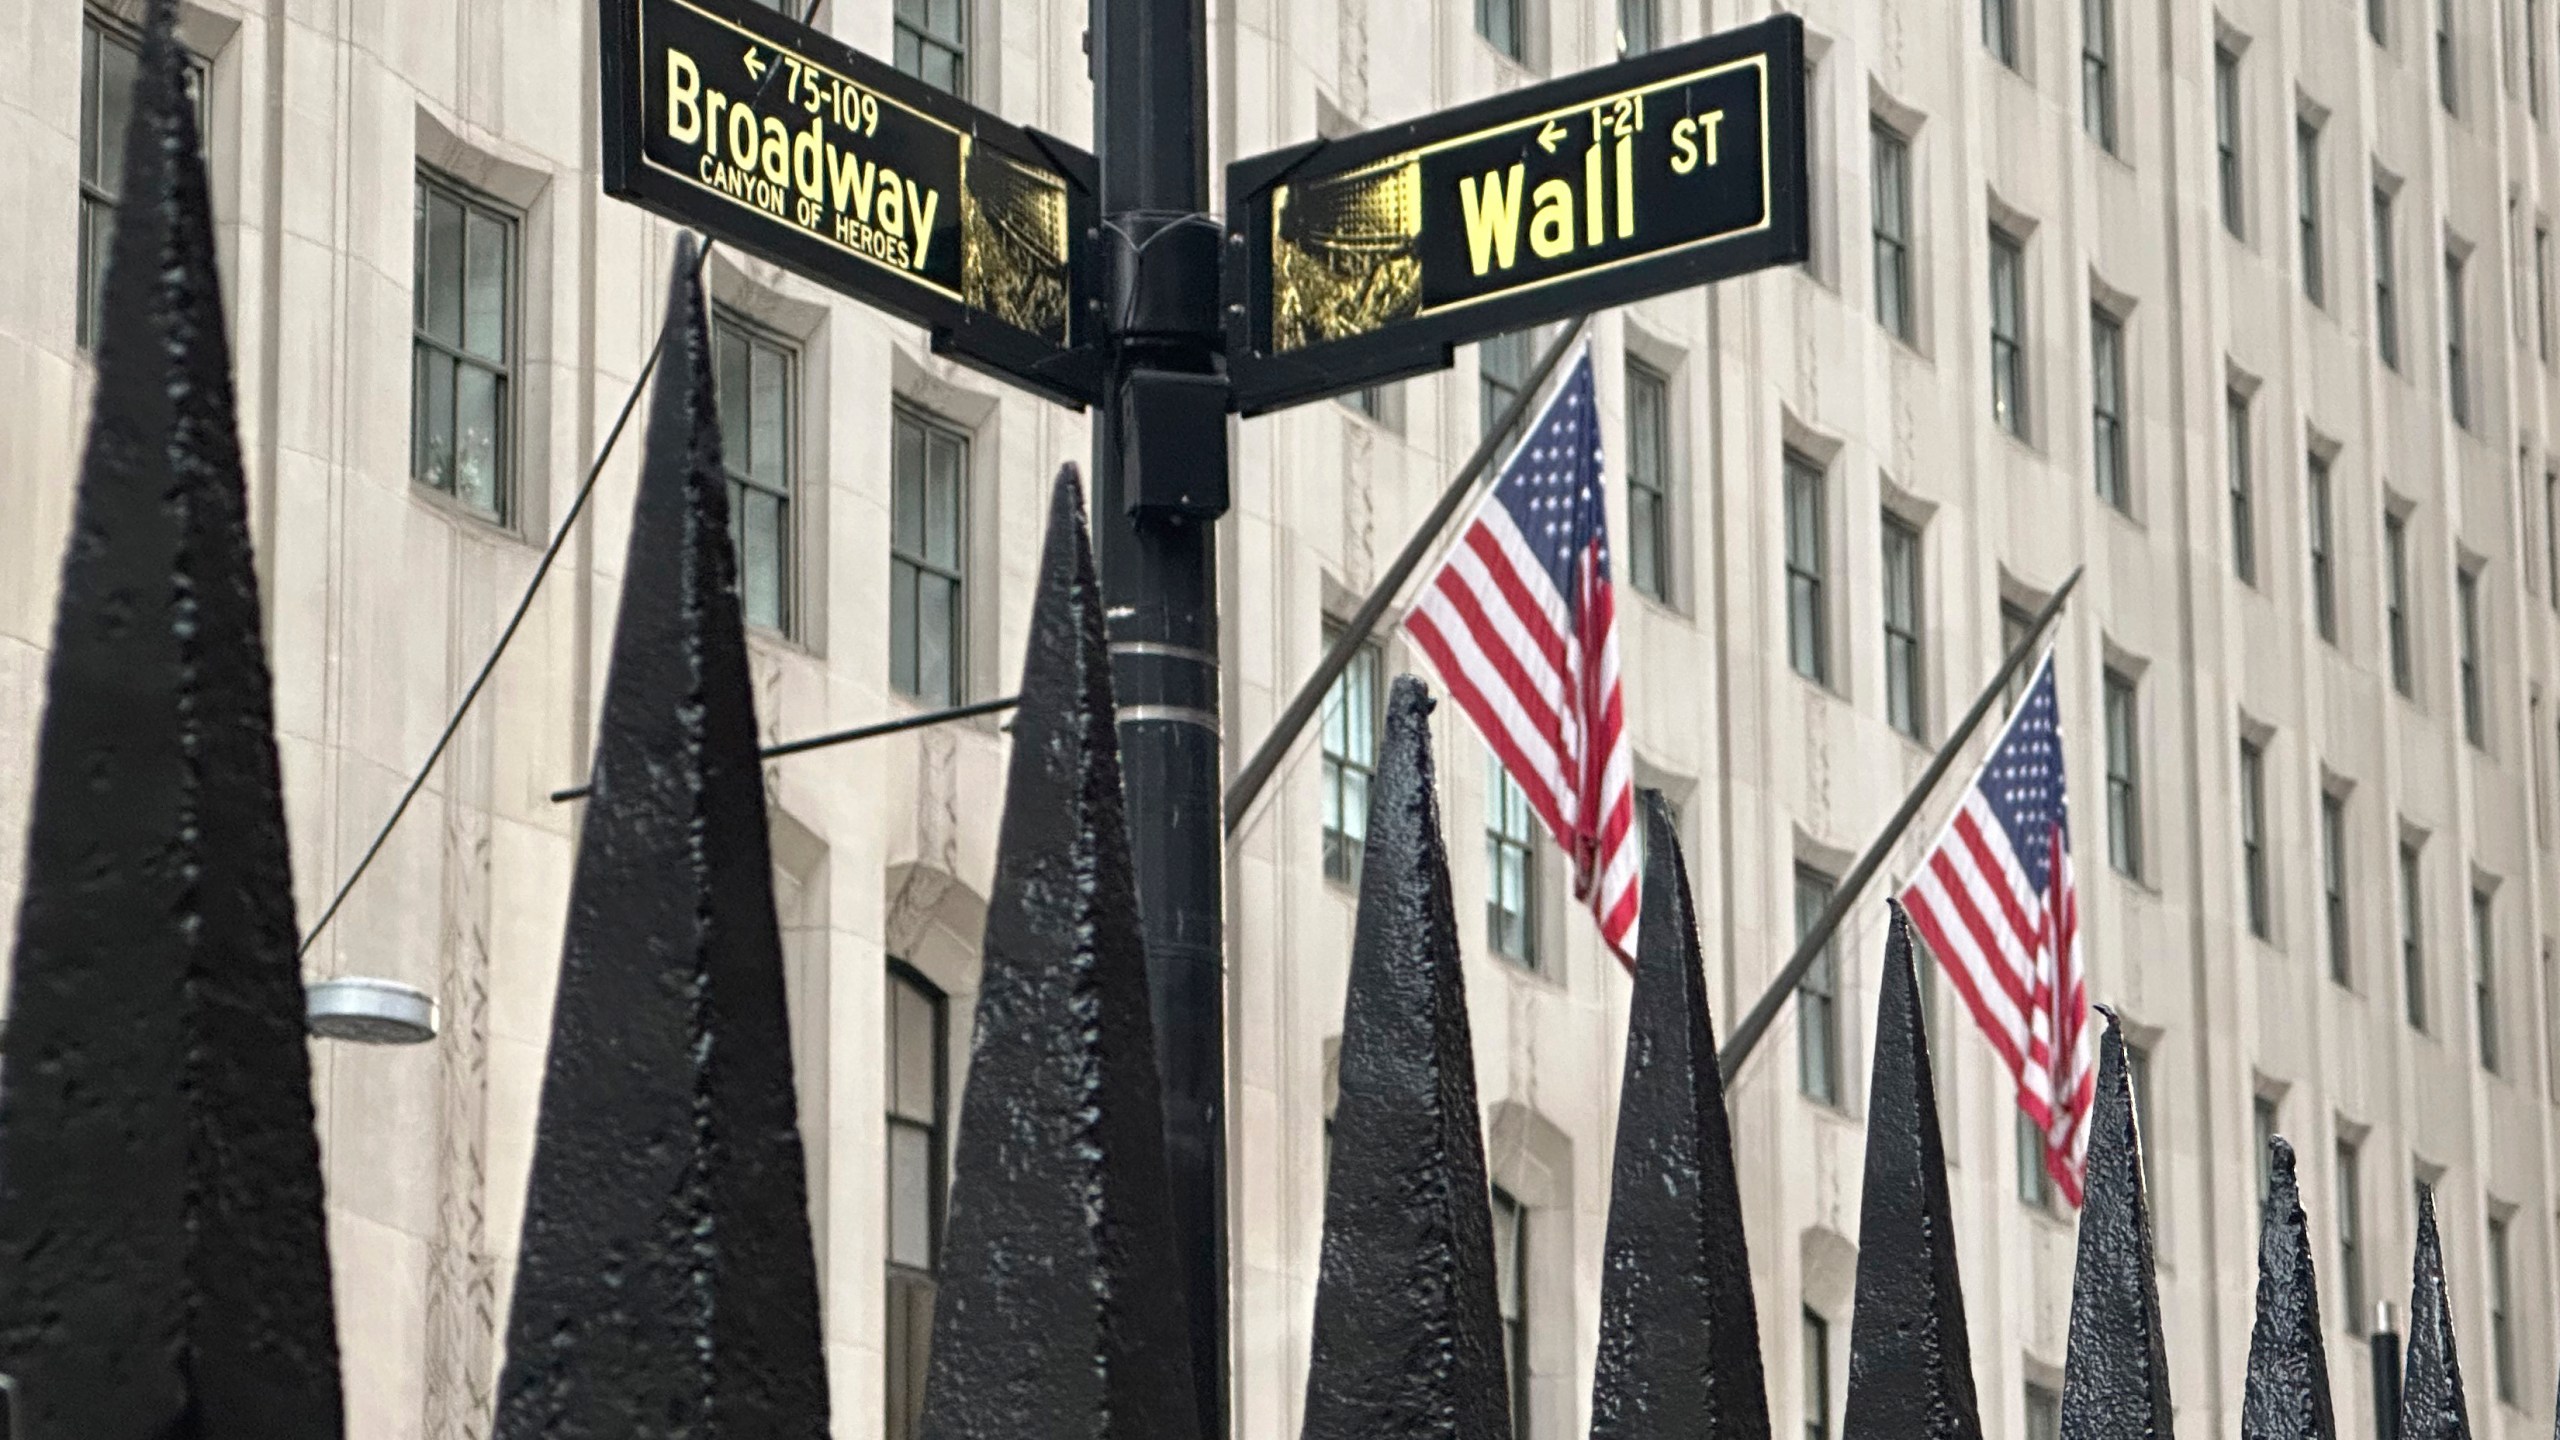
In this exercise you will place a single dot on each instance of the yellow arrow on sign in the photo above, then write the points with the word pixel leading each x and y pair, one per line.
pixel 1553 132
pixel 755 68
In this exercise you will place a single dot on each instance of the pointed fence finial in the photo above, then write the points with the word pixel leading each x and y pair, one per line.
pixel 164 1270
pixel 2115 1376
pixel 2431 1405
pixel 1910 1361
pixel 1055 1316
pixel 1408 1333
pixel 1679 1339
pixel 666 1284
pixel 2287 1396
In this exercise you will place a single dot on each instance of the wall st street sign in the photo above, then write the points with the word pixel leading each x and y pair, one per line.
pixel 727 116
pixel 1357 260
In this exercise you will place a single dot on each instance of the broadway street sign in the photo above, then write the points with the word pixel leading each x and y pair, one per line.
pixel 1357 260
pixel 724 115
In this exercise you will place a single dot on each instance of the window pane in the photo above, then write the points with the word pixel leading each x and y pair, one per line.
pixel 903 579
pixel 441 268
pixel 729 372
pixel 942 502
pixel 479 415
pixel 761 580
pixel 906 501
pixel 435 426
pixel 484 316
pixel 768 410
pixel 911 1196
pixel 117 63
pixel 937 621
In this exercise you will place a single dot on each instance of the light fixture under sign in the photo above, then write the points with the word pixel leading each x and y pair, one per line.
pixel 370 1012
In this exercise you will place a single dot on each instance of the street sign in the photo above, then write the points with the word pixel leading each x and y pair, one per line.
pixel 728 116
pixel 1358 260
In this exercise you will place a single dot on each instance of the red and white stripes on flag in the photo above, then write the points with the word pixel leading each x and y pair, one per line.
pixel 1998 904
pixel 1521 621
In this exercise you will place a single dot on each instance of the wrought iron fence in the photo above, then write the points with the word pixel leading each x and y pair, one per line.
pixel 163 1263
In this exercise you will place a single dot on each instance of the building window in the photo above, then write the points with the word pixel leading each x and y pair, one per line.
pixel 2009 333
pixel 2457 372
pixel 1498 21
pixel 1503 363
pixel 1808 623
pixel 2000 30
pixel 2044 1413
pixel 2333 883
pixel 932 42
pixel 2484 975
pixel 2097 71
pixel 2542 289
pixel 2262 1113
pixel 2350 1237
pixel 2324 575
pixel 929 518
pixel 2386 299
pixel 2106 409
pixel 1639 27
pixel 1902 679
pixel 2124 778
pixel 1648 481
pixel 758 378
pixel 2502 1327
pixel 1511 1287
pixel 2253 840
pixel 1892 223
pixel 2306 154
pixel 2447 89
pixel 2015 622
pixel 2226 136
pixel 2244 502
pixel 1817 995
pixel 461 350
pixel 1350 737
pixel 110 61
pixel 1511 867
pixel 918 1064
pixel 2533 57
pixel 2413 952
pixel 2035 1185
pixel 1817 1376
pixel 2395 564
pixel 2551 532
pixel 2475 716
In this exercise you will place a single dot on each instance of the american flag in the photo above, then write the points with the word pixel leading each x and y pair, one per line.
pixel 1996 900
pixel 1522 625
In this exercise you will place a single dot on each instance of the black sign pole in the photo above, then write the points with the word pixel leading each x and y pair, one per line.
pixel 1159 485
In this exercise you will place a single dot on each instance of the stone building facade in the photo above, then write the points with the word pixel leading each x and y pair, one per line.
pixel 2245 307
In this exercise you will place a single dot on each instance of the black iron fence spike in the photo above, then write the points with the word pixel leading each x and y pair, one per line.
pixel 2115 1375
pixel 1679 1348
pixel 1910 1360
pixel 2431 1403
pixel 1408 1334
pixel 1054 1316
pixel 163 1257
pixel 2286 1396
pixel 667 1284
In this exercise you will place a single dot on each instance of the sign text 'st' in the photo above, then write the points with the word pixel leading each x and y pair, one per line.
pixel 731 117
pixel 1369 257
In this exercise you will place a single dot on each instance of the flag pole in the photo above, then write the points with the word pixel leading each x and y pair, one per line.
pixel 1738 1046
pixel 1256 772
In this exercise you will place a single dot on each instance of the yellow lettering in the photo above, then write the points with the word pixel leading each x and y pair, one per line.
pixel 711 103
pixel 809 160
pixel 777 152
pixel 742 137
pixel 921 204
pixel 1684 147
pixel 1551 229
pixel 849 178
pixel 684 98
pixel 1591 194
pixel 1626 187
pixel 1708 125
pixel 1493 218
pixel 893 206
